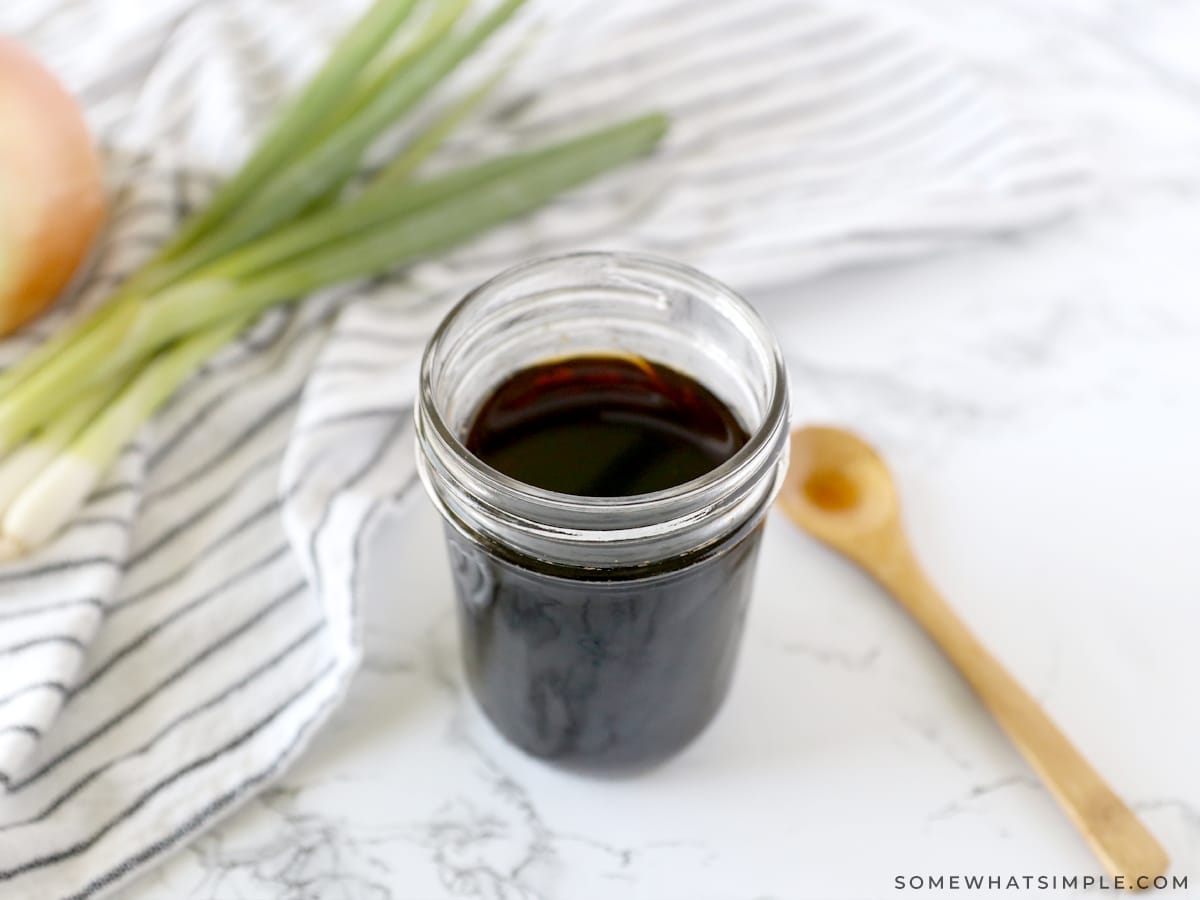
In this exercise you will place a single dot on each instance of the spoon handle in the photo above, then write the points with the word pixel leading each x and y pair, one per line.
pixel 1114 832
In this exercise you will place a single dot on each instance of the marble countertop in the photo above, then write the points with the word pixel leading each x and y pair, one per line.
pixel 1039 399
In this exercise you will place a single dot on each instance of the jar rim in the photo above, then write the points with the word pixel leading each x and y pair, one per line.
pixel 682 494
pixel 607 534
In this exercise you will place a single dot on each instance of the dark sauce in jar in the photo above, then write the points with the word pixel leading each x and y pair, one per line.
pixel 608 668
pixel 604 426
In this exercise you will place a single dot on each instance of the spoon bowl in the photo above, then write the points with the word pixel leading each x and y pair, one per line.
pixel 839 490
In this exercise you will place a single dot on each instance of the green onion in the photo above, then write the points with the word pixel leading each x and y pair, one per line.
pixel 424 231
pixel 387 195
pixel 379 203
pixel 29 459
pixel 82 363
pixel 444 17
pixel 62 486
pixel 359 240
pixel 423 219
pixel 410 159
pixel 280 229
pixel 325 166
pixel 320 100
pixel 46 351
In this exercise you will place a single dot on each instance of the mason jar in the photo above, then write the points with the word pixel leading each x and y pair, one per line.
pixel 601 632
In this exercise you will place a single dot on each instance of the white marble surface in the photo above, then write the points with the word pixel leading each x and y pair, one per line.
pixel 1039 399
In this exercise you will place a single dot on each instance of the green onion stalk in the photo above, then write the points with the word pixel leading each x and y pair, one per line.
pixel 62 484
pixel 279 229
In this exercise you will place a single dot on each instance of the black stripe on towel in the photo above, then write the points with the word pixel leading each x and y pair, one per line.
pixel 259 515
pixel 194 518
pixel 244 524
pixel 147 796
pixel 378 412
pixel 42 609
pixel 131 646
pixel 212 649
pixel 261 422
pixel 67 640
pixel 27 730
pixel 122 487
pixel 198 821
pixel 213 701
pixel 58 567
pixel 254 567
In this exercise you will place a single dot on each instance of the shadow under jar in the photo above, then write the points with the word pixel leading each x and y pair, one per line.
pixel 599 629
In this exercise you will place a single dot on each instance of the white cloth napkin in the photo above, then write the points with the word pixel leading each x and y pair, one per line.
pixel 175 649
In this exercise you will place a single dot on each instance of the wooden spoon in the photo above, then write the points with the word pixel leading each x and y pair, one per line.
pixel 840 492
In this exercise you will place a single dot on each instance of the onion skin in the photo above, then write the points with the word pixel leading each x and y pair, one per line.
pixel 52 202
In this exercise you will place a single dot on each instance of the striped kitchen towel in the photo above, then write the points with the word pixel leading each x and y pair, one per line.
pixel 174 650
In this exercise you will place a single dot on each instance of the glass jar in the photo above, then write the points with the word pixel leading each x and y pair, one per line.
pixel 601 631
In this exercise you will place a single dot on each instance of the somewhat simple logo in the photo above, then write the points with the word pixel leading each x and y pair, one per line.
pixel 1038 882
